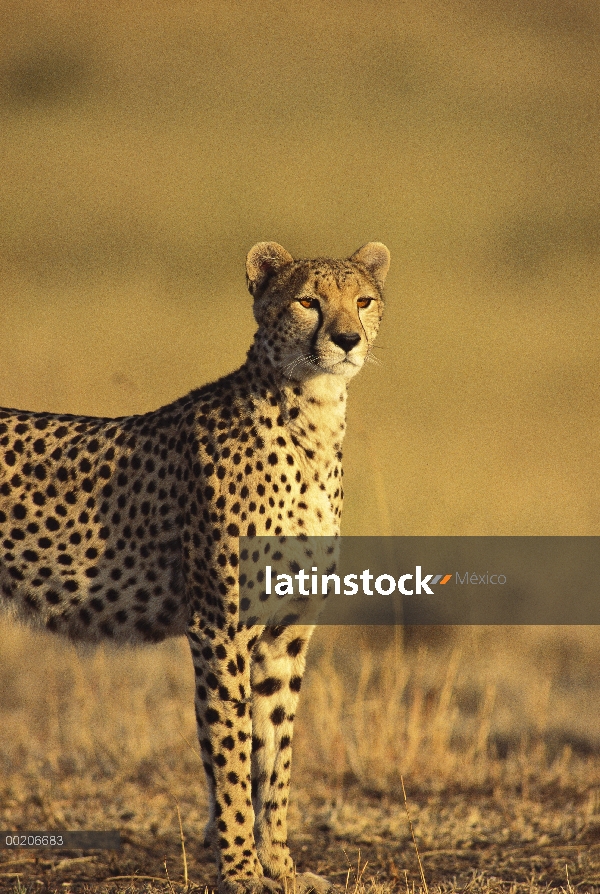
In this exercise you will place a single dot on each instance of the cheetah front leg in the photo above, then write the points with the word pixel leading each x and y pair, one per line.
pixel 278 662
pixel 224 720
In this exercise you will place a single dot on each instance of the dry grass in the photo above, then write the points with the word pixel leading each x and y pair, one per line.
pixel 494 731
pixel 457 712
pixel 144 149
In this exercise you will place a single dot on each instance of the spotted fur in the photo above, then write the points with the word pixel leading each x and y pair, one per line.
pixel 128 529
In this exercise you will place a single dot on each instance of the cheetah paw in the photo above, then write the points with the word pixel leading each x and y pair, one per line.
pixel 257 885
pixel 309 883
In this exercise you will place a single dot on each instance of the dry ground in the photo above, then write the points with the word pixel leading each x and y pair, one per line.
pixel 143 149
pixel 496 733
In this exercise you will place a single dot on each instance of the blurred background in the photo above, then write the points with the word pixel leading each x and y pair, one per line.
pixel 144 148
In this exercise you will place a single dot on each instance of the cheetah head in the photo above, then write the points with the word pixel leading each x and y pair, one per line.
pixel 316 317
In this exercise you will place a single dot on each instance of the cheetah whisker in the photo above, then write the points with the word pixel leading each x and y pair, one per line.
pixel 289 368
pixel 294 363
pixel 370 357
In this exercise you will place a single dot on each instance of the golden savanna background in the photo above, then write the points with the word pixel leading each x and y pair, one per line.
pixel 144 148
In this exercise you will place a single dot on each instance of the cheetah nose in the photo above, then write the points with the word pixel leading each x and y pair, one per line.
pixel 346 340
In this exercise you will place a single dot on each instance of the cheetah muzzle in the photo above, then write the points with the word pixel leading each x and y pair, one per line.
pixel 128 529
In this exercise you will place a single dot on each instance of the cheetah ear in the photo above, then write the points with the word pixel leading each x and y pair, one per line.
pixel 265 259
pixel 376 258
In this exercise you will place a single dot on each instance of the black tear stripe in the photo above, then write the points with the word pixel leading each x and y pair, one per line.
pixel 313 341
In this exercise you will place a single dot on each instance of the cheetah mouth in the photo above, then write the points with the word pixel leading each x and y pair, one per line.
pixel 343 363
pixel 315 365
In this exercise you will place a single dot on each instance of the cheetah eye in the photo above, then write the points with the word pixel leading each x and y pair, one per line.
pixel 363 302
pixel 308 302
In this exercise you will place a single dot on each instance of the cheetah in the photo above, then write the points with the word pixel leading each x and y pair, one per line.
pixel 128 529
